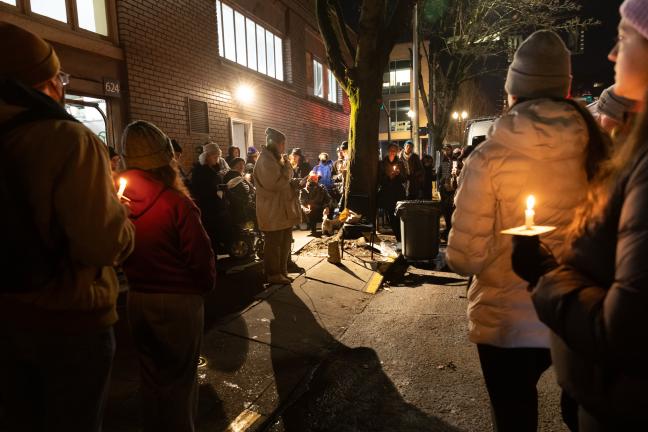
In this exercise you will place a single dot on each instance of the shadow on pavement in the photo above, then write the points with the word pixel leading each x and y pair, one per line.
pixel 347 391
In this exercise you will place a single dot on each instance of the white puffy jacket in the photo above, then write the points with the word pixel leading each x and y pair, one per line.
pixel 537 148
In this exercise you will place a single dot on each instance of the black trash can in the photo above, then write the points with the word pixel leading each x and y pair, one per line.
pixel 419 228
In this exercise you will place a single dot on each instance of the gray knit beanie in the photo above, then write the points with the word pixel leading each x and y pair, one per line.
pixel 145 146
pixel 273 136
pixel 612 105
pixel 541 67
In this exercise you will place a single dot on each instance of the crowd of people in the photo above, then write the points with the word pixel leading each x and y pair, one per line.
pixel 576 299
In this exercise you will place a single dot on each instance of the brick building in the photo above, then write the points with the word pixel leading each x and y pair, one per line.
pixel 197 73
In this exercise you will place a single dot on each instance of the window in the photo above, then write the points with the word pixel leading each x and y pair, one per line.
pixel 11 2
pixel 55 9
pixel 399 120
pixel 318 79
pixel 324 83
pixel 332 88
pixel 397 78
pixel 92 112
pixel 247 43
pixel 92 16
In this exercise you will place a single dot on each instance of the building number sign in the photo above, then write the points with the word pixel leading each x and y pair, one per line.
pixel 112 87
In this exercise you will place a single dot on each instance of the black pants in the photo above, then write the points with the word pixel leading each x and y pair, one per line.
pixel 511 376
pixel 316 214
pixel 447 208
pixel 54 382
pixel 167 330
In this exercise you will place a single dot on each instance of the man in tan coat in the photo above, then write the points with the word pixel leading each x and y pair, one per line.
pixel 64 230
pixel 277 205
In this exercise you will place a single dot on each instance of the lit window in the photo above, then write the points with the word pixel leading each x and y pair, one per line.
pixel 270 54
pixel 219 13
pixel 241 51
pixel 11 2
pixel 250 27
pixel 228 33
pixel 247 43
pixel 278 45
pixel 398 110
pixel 261 53
pixel 397 79
pixel 92 16
pixel 333 87
pixel 318 79
pixel 55 9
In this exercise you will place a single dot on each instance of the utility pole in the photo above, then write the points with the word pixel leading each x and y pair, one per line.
pixel 415 83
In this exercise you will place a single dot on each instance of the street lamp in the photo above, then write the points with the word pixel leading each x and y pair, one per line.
pixel 455 115
pixel 464 115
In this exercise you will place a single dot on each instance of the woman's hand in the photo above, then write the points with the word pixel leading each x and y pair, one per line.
pixel 531 259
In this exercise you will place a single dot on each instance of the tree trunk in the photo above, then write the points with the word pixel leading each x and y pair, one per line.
pixel 362 182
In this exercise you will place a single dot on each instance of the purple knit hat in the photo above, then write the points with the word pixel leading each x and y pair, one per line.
pixel 636 13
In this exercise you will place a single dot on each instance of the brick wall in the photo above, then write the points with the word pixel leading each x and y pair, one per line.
pixel 171 53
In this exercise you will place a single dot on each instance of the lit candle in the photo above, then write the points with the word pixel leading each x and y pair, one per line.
pixel 394 167
pixel 529 213
pixel 122 187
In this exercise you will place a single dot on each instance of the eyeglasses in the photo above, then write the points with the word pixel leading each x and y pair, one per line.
pixel 64 78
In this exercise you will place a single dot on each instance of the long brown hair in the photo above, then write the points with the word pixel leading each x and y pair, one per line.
pixel 169 176
pixel 612 171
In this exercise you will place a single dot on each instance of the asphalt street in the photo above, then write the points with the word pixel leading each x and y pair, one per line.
pixel 324 354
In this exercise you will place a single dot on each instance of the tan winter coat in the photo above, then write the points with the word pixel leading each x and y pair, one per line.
pixel 537 148
pixel 277 205
pixel 65 171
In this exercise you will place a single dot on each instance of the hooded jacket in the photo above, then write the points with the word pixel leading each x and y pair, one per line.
pixel 537 148
pixel 597 302
pixel 60 172
pixel 276 200
pixel 172 252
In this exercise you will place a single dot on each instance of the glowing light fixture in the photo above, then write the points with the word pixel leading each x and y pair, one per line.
pixel 244 93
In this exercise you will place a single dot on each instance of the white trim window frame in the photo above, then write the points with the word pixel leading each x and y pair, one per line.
pixel 318 79
pixel 244 41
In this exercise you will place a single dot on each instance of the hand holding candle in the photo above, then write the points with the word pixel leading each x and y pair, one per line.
pixel 122 187
pixel 529 213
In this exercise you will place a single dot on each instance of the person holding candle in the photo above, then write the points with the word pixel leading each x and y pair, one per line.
pixel 392 179
pixel 546 146
pixel 63 232
pixel 169 272
pixel 595 297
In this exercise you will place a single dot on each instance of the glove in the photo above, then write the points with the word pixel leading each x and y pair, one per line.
pixel 531 259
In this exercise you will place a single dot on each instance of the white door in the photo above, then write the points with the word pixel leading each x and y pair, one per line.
pixel 241 135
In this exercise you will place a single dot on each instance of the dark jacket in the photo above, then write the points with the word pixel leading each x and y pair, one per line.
pixel 415 174
pixel 597 304
pixel 205 181
pixel 392 177
pixel 315 195
pixel 172 253
pixel 302 170
pixel 242 198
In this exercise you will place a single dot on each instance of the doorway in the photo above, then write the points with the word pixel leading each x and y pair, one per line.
pixel 93 113
pixel 242 135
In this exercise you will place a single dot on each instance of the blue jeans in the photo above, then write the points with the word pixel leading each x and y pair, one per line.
pixel 54 382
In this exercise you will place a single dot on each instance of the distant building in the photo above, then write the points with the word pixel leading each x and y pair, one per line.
pixel 200 69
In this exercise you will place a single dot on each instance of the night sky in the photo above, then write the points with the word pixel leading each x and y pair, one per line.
pixel 589 68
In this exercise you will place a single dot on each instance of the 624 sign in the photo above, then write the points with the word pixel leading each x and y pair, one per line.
pixel 111 87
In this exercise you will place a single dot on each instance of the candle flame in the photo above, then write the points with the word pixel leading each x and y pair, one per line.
pixel 530 202
pixel 122 187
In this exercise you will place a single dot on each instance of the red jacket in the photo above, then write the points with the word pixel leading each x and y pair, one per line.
pixel 172 253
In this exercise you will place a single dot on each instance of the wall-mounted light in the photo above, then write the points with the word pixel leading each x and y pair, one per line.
pixel 244 94
pixel 411 114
